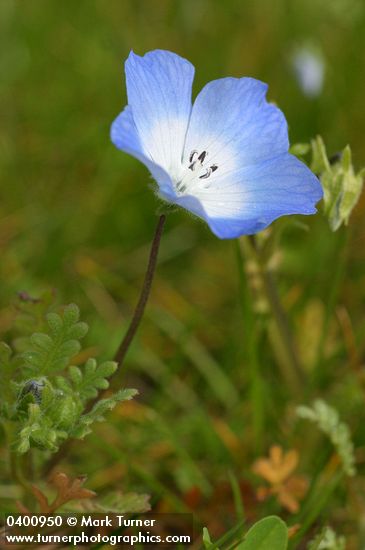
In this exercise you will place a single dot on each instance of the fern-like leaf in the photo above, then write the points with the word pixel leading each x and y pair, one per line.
pixel 96 414
pixel 52 351
pixel 88 381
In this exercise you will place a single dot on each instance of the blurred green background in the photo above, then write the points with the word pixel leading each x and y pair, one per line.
pixel 77 215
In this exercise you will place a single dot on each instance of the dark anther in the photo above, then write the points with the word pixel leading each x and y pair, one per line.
pixel 192 155
pixel 202 156
pixel 209 171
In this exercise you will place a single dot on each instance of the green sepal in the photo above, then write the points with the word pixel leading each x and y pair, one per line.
pixel 342 187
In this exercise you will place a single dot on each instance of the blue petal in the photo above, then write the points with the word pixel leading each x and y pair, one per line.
pixel 159 93
pixel 231 119
pixel 124 135
pixel 253 197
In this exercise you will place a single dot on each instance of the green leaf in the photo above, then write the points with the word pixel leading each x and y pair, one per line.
pixel 207 541
pixel 47 405
pixel 96 414
pixel 270 533
pixel 53 350
pixel 92 378
pixel 38 431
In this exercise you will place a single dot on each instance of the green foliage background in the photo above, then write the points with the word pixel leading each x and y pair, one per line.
pixel 77 215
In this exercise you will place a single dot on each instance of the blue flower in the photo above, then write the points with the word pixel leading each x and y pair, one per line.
pixel 225 158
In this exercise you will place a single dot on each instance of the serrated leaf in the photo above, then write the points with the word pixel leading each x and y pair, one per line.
pixel 270 533
pixel 53 351
pixel 91 378
pixel 96 414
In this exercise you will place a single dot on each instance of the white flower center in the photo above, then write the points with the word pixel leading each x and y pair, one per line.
pixel 196 170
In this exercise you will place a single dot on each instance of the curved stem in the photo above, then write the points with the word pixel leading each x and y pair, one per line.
pixel 145 292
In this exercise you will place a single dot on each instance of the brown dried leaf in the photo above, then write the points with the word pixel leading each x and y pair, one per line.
pixel 277 471
pixel 278 467
pixel 67 489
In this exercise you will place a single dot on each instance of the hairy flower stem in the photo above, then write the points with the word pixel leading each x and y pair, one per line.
pixel 280 333
pixel 128 337
pixel 145 292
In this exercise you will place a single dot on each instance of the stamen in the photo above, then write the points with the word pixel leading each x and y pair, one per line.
pixel 209 171
pixel 192 155
pixel 196 165
pixel 202 156
pixel 206 175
